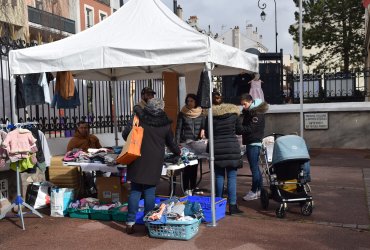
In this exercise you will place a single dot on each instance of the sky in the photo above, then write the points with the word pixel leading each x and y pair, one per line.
pixel 223 15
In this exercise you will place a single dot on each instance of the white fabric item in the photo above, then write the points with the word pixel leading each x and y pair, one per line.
pixel 45 148
pixel 45 87
pixel 151 39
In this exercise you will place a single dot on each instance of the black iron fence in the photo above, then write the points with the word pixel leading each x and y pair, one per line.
pixel 96 101
pixel 328 86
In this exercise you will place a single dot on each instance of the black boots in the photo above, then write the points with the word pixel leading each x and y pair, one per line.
pixel 233 209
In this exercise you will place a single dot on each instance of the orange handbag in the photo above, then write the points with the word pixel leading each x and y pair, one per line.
pixel 131 150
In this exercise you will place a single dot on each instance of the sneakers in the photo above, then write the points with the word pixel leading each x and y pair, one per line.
pixel 252 196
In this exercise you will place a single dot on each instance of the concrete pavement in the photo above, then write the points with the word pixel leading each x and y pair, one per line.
pixel 340 219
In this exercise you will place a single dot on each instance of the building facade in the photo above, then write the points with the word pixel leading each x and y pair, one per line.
pixel 247 39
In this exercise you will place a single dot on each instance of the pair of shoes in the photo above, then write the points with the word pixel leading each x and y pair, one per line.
pixel 251 196
pixel 233 209
pixel 130 229
pixel 258 193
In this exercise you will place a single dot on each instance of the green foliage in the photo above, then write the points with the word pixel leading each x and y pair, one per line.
pixel 336 29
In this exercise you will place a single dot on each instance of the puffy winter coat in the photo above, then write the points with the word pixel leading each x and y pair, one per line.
pixel 225 127
pixel 253 123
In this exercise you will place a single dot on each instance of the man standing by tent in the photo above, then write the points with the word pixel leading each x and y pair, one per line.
pixel 147 93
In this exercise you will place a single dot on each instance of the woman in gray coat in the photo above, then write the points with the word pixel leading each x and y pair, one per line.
pixel 145 172
pixel 190 127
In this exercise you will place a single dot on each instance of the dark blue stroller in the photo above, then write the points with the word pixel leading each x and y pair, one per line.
pixel 285 175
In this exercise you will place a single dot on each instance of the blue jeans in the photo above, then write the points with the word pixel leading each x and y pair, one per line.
pixel 134 198
pixel 253 154
pixel 231 183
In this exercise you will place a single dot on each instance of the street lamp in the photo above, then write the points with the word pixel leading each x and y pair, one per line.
pixel 263 18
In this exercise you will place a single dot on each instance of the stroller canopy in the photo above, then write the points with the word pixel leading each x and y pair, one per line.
pixel 289 147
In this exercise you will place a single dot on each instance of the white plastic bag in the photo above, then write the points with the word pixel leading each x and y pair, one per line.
pixel 60 199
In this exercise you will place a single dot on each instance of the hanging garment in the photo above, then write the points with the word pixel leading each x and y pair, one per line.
pixel 39 154
pixel 45 148
pixel 203 93
pixel 33 92
pixel 60 103
pixel 65 85
pixel 256 91
pixel 3 153
pixel 19 143
pixel 20 102
pixel 45 87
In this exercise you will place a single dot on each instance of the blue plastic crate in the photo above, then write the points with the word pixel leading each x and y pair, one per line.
pixel 205 203
pixel 140 214
pixel 176 230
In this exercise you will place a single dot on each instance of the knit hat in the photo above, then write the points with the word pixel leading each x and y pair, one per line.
pixel 147 90
pixel 255 103
pixel 155 104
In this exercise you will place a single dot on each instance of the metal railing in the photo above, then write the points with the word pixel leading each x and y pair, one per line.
pixel 50 20
pixel 330 86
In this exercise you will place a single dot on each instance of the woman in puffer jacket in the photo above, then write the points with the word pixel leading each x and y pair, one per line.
pixel 190 127
pixel 227 151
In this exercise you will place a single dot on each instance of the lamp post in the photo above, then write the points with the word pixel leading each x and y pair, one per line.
pixel 263 18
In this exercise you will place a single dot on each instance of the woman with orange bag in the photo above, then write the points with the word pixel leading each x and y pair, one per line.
pixel 145 172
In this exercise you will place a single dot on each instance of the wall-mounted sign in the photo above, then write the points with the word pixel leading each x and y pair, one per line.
pixel 316 121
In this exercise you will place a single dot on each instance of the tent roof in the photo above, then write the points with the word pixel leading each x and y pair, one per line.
pixel 139 41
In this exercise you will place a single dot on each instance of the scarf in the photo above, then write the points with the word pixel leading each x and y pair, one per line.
pixel 191 113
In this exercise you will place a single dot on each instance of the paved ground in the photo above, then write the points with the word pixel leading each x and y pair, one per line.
pixel 340 220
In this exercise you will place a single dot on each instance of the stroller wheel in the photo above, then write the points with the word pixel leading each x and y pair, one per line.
pixel 280 211
pixel 307 188
pixel 264 198
pixel 306 208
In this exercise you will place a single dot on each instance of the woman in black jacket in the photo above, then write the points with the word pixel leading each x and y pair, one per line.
pixel 145 172
pixel 227 152
pixel 190 127
pixel 253 128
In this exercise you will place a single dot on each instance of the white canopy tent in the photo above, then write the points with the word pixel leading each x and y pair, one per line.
pixel 141 40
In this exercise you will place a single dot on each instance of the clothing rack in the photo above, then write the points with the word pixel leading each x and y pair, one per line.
pixel 19 200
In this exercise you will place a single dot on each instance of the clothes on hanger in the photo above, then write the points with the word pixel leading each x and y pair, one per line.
pixel 33 92
pixel 20 102
pixel 3 153
pixel 65 85
pixel 60 103
pixel 20 146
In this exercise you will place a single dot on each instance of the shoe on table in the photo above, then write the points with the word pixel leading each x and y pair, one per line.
pixel 130 229
pixel 233 209
pixel 251 196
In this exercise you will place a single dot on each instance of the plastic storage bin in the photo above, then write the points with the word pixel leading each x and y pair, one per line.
pixel 176 230
pixel 101 215
pixel 117 215
pixel 79 213
pixel 205 203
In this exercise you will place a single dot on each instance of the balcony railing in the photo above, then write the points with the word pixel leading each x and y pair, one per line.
pixel 106 2
pixel 50 20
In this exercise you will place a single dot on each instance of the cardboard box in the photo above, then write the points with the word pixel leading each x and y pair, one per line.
pixel 111 190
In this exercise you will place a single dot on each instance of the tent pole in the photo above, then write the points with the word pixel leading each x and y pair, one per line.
pixel 209 67
pixel 115 105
